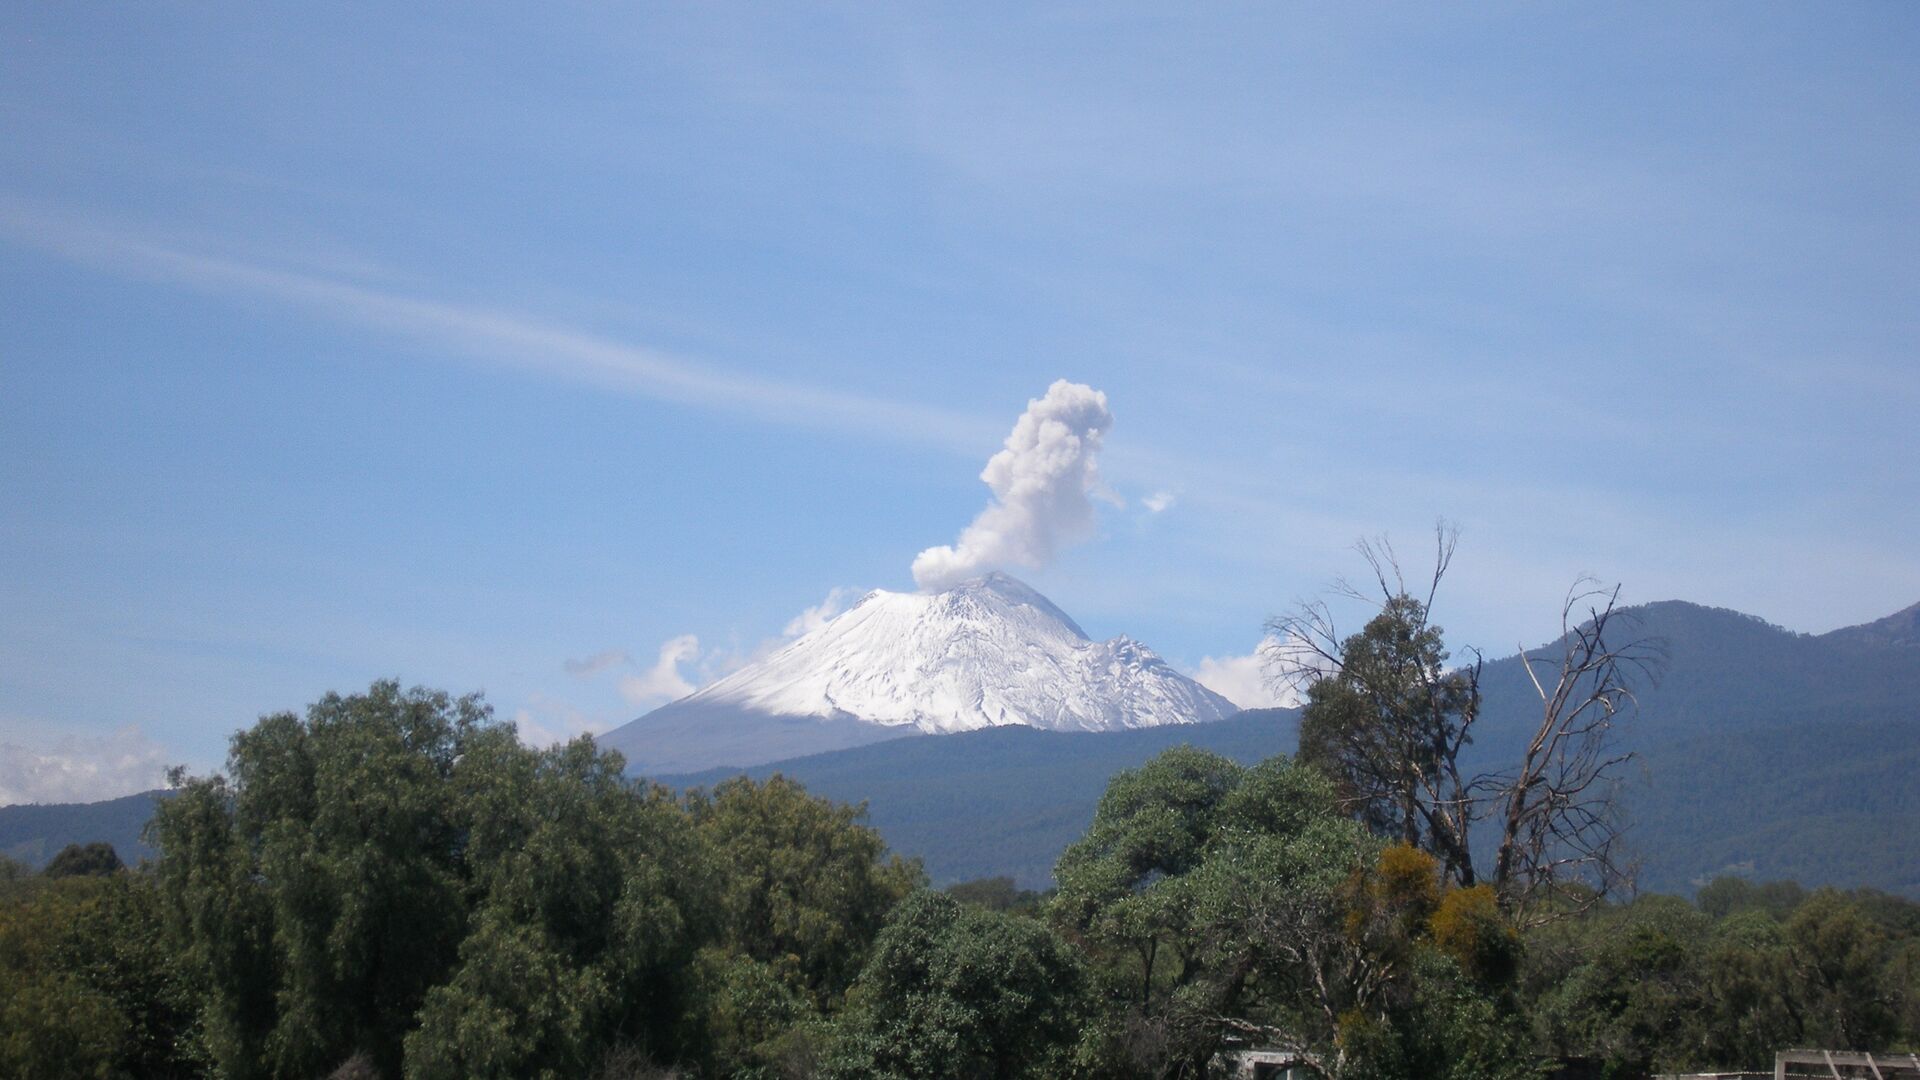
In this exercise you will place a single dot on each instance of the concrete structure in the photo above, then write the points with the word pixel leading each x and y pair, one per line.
pixel 1845 1065
pixel 1267 1063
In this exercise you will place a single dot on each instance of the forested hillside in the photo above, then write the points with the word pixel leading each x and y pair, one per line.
pixel 32 834
pixel 1005 800
pixel 1759 751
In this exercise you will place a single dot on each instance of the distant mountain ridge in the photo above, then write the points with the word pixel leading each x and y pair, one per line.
pixel 1898 630
pixel 1761 751
pixel 33 833
pixel 1723 671
pixel 990 652
pixel 1002 800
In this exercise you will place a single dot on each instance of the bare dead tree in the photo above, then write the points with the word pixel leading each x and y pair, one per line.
pixel 1385 713
pixel 1389 718
pixel 1557 810
pixel 1305 645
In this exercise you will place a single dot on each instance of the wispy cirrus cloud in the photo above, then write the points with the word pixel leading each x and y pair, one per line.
pixel 598 662
pixel 663 680
pixel 494 336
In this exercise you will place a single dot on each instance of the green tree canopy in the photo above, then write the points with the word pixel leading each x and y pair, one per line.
pixel 590 899
pixel 85 860
pixel 803 887
pixel 322 888
pixel 1210 890
pixel 376 878
pixel 955 990
pixel 1388 722
pixel 89 986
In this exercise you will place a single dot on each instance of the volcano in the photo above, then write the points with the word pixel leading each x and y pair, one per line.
pixel 989 652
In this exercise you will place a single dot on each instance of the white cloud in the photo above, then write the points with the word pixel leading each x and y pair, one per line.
pixel 545 721
pixel 663 681
pixel 1158 502
pixel 1043 481
pixel 680 667
pixel 81 768
pixel 1243 679
pixel 818 615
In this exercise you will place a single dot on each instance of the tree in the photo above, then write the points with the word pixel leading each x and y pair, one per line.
pixel 395 876
pixel 395 881
pixel 1558 820
pixel 997 893
pixel 1727 895
pixel 1211 895
pixel 591 897
pixel 1221 902
pixel 1118 883
pixel 758 1024
pixel 1903 979
pixel 322 889
pixel 85 860
pixel 1752 1005
pixel 954 990
pixel 518 1006
pixel 1443 1026
pixel 801 889
pixel 52 1023
pixel 1468 927
pixel 88 986
pixel 1627 989
pixel 1840 957
pixel 803 886
pixel 1389 719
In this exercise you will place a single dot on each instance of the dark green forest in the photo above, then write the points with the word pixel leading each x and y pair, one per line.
pixel 393 885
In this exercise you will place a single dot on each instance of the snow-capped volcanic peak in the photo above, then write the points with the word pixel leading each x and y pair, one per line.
pixel 987 652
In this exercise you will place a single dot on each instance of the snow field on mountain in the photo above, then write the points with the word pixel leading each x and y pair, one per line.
pixel 986 653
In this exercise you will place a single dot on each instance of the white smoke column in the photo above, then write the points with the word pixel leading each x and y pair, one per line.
pixel 1043 486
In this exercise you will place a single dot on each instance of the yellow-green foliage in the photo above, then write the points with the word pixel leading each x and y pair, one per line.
pixel 1395 896
pixel 1469 926
pixel 1407 881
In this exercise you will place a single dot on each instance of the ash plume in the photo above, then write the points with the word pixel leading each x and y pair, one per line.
pixel 1043 481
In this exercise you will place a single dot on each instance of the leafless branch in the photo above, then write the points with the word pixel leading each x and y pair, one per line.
pixel 1397 762
pixel 1557 811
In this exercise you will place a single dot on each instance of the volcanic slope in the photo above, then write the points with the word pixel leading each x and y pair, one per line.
pixel 990 652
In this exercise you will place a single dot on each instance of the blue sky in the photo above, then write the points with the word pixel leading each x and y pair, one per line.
pixel 345 342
